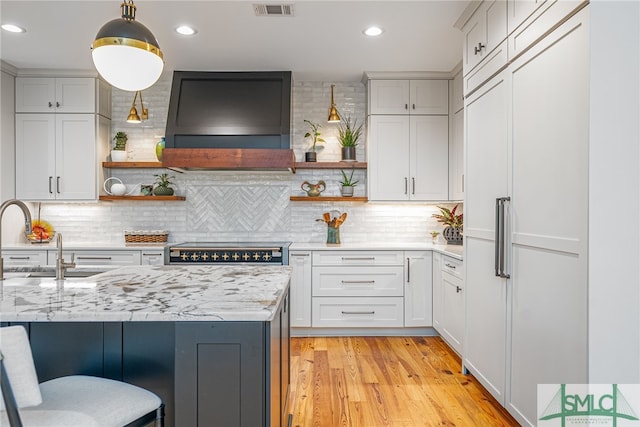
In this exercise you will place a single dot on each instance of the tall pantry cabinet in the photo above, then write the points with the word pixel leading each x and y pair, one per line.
pixel 526 219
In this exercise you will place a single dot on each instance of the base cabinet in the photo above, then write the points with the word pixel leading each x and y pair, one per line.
pixel 232 374
pixel 448 300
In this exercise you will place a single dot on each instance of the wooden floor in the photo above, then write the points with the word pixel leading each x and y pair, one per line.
pixel 385 381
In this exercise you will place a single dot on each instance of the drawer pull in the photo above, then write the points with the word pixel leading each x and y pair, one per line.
pixel 152 254
pixel 359 312
pixel 365 282
pixel 458 289
pixel 299 254
pixel 104 258
pixel 348 258
pixel 19 257
pixel 450 265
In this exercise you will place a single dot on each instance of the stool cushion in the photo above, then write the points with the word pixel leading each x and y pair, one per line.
pixel 18 362
pixel 88 401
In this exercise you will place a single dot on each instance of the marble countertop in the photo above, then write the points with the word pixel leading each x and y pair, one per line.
pixel 149 293
pixel 454 251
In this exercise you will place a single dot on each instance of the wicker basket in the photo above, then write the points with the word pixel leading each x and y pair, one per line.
pixel 145 237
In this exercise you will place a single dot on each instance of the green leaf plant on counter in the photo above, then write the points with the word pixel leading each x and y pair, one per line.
pixel 449 217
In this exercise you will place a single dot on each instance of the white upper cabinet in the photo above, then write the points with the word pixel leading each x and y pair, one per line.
pixel 483 32
pixel 408 97
pixel 408 158
pixel 63 95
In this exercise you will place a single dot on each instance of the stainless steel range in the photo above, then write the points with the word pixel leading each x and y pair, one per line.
pixel 228 253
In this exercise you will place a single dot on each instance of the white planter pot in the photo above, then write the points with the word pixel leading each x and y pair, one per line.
pixel 118 156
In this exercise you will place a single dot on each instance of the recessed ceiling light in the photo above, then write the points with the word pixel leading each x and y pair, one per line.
pixel 13 28
pixel 186 30
pixel 373 31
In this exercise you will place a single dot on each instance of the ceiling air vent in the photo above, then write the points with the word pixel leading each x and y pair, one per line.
pixel 265 9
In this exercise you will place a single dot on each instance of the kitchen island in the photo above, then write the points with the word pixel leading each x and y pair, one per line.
pixel 211 341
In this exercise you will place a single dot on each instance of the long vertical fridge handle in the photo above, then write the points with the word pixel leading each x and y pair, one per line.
pixel 501 234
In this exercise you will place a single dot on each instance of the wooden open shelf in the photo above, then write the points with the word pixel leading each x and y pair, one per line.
pixel 144 198
pixel 132 165
pixel 331 165
pixel 327 199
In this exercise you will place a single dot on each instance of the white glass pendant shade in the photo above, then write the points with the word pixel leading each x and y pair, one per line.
pixel 126 53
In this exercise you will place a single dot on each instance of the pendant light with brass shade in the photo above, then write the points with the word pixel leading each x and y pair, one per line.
pixel 334 117
pixel 133 112
pixel 125 53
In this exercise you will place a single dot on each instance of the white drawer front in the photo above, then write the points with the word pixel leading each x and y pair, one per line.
pixel 84 257
pixel 357 258
pixel 358 281
pixel 152 257
pixel 357 312
pixel 452 266
pixel 32 258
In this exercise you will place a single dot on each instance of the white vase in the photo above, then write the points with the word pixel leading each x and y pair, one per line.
pixel 118 156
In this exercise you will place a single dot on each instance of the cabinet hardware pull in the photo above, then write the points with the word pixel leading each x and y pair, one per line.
pixel 500 236
pixel 143 254
pixel 363 282
pixel 414 106
pixel 413 185
pixel 349 258
pixel 302 255
pixel 477 49
pixel 358 312
pixel 405 185
pixel 50 190
pixel 50 104
pixel 58 184
pixel 107 258
pixel 19 257
pixel 406 106
pixel 57 104
pixel 450 265
pixel 458 289
pixel 408 270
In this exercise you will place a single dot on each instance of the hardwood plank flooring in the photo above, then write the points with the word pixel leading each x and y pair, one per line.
pixel 385 382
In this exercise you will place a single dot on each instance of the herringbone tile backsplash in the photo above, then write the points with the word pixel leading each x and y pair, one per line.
pixel 237 206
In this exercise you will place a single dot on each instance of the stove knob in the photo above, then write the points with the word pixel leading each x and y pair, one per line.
pixel 184 256
pixel 235 256
pixel 246 256
pixel 205 256
pixel 225 256
pixel 266 257
pixel 256 256
pixel 195 256
pixel 215 256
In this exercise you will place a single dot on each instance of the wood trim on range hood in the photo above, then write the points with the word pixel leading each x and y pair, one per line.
pixel 229 159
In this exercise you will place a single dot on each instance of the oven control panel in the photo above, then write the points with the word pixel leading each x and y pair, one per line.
pixel 225 256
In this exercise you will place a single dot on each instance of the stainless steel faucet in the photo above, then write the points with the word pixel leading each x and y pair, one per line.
pixel 61 266
pixel 27 224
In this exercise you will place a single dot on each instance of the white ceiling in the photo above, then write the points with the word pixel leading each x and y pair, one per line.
pixel 322 41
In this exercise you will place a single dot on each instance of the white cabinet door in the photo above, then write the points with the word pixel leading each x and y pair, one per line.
pixel 75 157
pixel 55 95
pixel 300 294
pixel 487 160
pixel 452 311
pixel 388 173
pixel 456 156
pixel 549 252
pixel 483 32
pixel 35 156
pixel 357 281
pixel 429 158
pixel 389 96
pixel 437 292
pixel 429 97
pixel 418 289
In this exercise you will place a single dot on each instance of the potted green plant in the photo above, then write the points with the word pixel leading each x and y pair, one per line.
pixel 119 151
pixel 347 183
pixel 453 222
pixel 314 134
pixel 163 183
pixel 348 135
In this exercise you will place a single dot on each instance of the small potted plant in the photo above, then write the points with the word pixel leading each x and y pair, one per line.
pixel 453 222
pixel 348 135
pixel 119 153
pixel 347 183
pixel 163 183
pixel 314 134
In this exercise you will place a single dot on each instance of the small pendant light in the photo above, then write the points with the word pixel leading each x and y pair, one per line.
pixel 334 117
pixel 133 112
pixel 125 53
